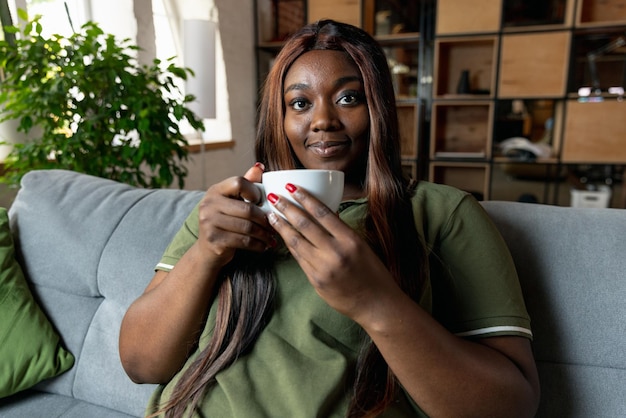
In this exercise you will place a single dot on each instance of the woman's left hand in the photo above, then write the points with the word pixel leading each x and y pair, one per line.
pixel 340 265
pixel 429 361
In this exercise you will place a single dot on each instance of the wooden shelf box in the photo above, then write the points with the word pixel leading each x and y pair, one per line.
pixel 471 177
pixel 595 132
pixel 534 65
pixel 601 12
pixel 461 129
pixel 348 11
pixel 409 122
pixel 277 19
pixel 409 167
pixel 468 16
pixel 477 55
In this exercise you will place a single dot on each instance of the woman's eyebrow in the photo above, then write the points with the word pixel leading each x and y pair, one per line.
pixel 296 86
pixel 348 79
pixel 338 83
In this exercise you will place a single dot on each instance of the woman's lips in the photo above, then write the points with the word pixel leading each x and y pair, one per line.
pixel 328 148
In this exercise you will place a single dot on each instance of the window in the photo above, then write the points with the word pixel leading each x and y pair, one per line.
pixel 118 17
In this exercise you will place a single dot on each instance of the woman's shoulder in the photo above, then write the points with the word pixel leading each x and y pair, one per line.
pixel 436 207
pixel 438 196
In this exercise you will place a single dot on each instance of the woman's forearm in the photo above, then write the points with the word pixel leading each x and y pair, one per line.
pixel 163 325
pixel 449 376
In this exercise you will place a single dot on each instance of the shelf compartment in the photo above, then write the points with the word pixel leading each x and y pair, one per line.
pixel 534 65
pixel 403 64
pixel 537 14
pixel 409 168
pixel 471 177
pixel 277 19
pixel 540 122
pixel 461 129
pixel 391 18
pixel 600 13
pixel 468 16
pixel 608 68
pixel 409 119
pixel 477 55
pixel 595 132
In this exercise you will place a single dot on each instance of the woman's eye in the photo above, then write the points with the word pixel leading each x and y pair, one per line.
pixel 350 99
pixel 298 104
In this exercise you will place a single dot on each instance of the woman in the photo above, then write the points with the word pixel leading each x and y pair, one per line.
pixel 405 303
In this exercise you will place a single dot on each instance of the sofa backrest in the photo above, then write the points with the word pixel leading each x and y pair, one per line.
pixel 572 268
pixel 89 246
pixel 571 263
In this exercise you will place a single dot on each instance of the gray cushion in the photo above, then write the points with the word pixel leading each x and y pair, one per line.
pixel 89 246
pixel 33 404
pixel 572 267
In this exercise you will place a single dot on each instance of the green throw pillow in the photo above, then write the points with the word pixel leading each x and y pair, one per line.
pixel 30 349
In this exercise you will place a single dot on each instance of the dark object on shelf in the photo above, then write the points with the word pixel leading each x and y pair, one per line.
pixel 528 198
pixel 463 87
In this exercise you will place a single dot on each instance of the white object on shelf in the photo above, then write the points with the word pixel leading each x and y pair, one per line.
pixel 596 197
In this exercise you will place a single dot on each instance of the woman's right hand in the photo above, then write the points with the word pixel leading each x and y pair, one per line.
pixel 229 221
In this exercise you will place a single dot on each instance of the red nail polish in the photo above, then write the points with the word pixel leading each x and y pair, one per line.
pixel 290 187
pixel 260 165
pixel 272 198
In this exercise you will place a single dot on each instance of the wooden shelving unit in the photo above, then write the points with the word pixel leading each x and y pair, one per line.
pixel 527 61
pixel 469 74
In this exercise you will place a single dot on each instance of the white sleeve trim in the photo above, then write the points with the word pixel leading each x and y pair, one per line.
pixel 164 266
pixel 491 330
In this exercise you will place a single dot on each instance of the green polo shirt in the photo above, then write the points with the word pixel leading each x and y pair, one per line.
pixel 302 363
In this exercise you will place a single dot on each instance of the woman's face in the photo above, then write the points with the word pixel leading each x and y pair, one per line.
pixel 326 115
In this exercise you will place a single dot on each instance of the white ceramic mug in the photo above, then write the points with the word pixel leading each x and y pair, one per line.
pixel 326 185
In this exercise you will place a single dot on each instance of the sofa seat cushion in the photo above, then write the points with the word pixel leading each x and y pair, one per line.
pixel 35 404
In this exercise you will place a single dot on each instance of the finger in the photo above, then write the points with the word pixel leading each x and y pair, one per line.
pixel 328 220
pixel 240 188
pixel 304 237
pixel 297 244
pixel 255 173
pixel 238 224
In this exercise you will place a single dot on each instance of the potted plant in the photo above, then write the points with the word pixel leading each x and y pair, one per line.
pixel 97 110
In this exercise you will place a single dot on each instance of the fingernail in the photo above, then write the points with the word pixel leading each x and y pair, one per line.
pixel 272 198
pixel 259 165
pixel 290 187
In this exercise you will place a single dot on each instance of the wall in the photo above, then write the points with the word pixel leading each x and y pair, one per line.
pixel 236 25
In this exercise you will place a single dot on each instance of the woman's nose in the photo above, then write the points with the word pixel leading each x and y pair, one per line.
pixel 325 117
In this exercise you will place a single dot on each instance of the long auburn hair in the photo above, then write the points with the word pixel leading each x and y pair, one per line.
pixel 246 291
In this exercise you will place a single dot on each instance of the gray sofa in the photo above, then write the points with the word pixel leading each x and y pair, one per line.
pixel 89 245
